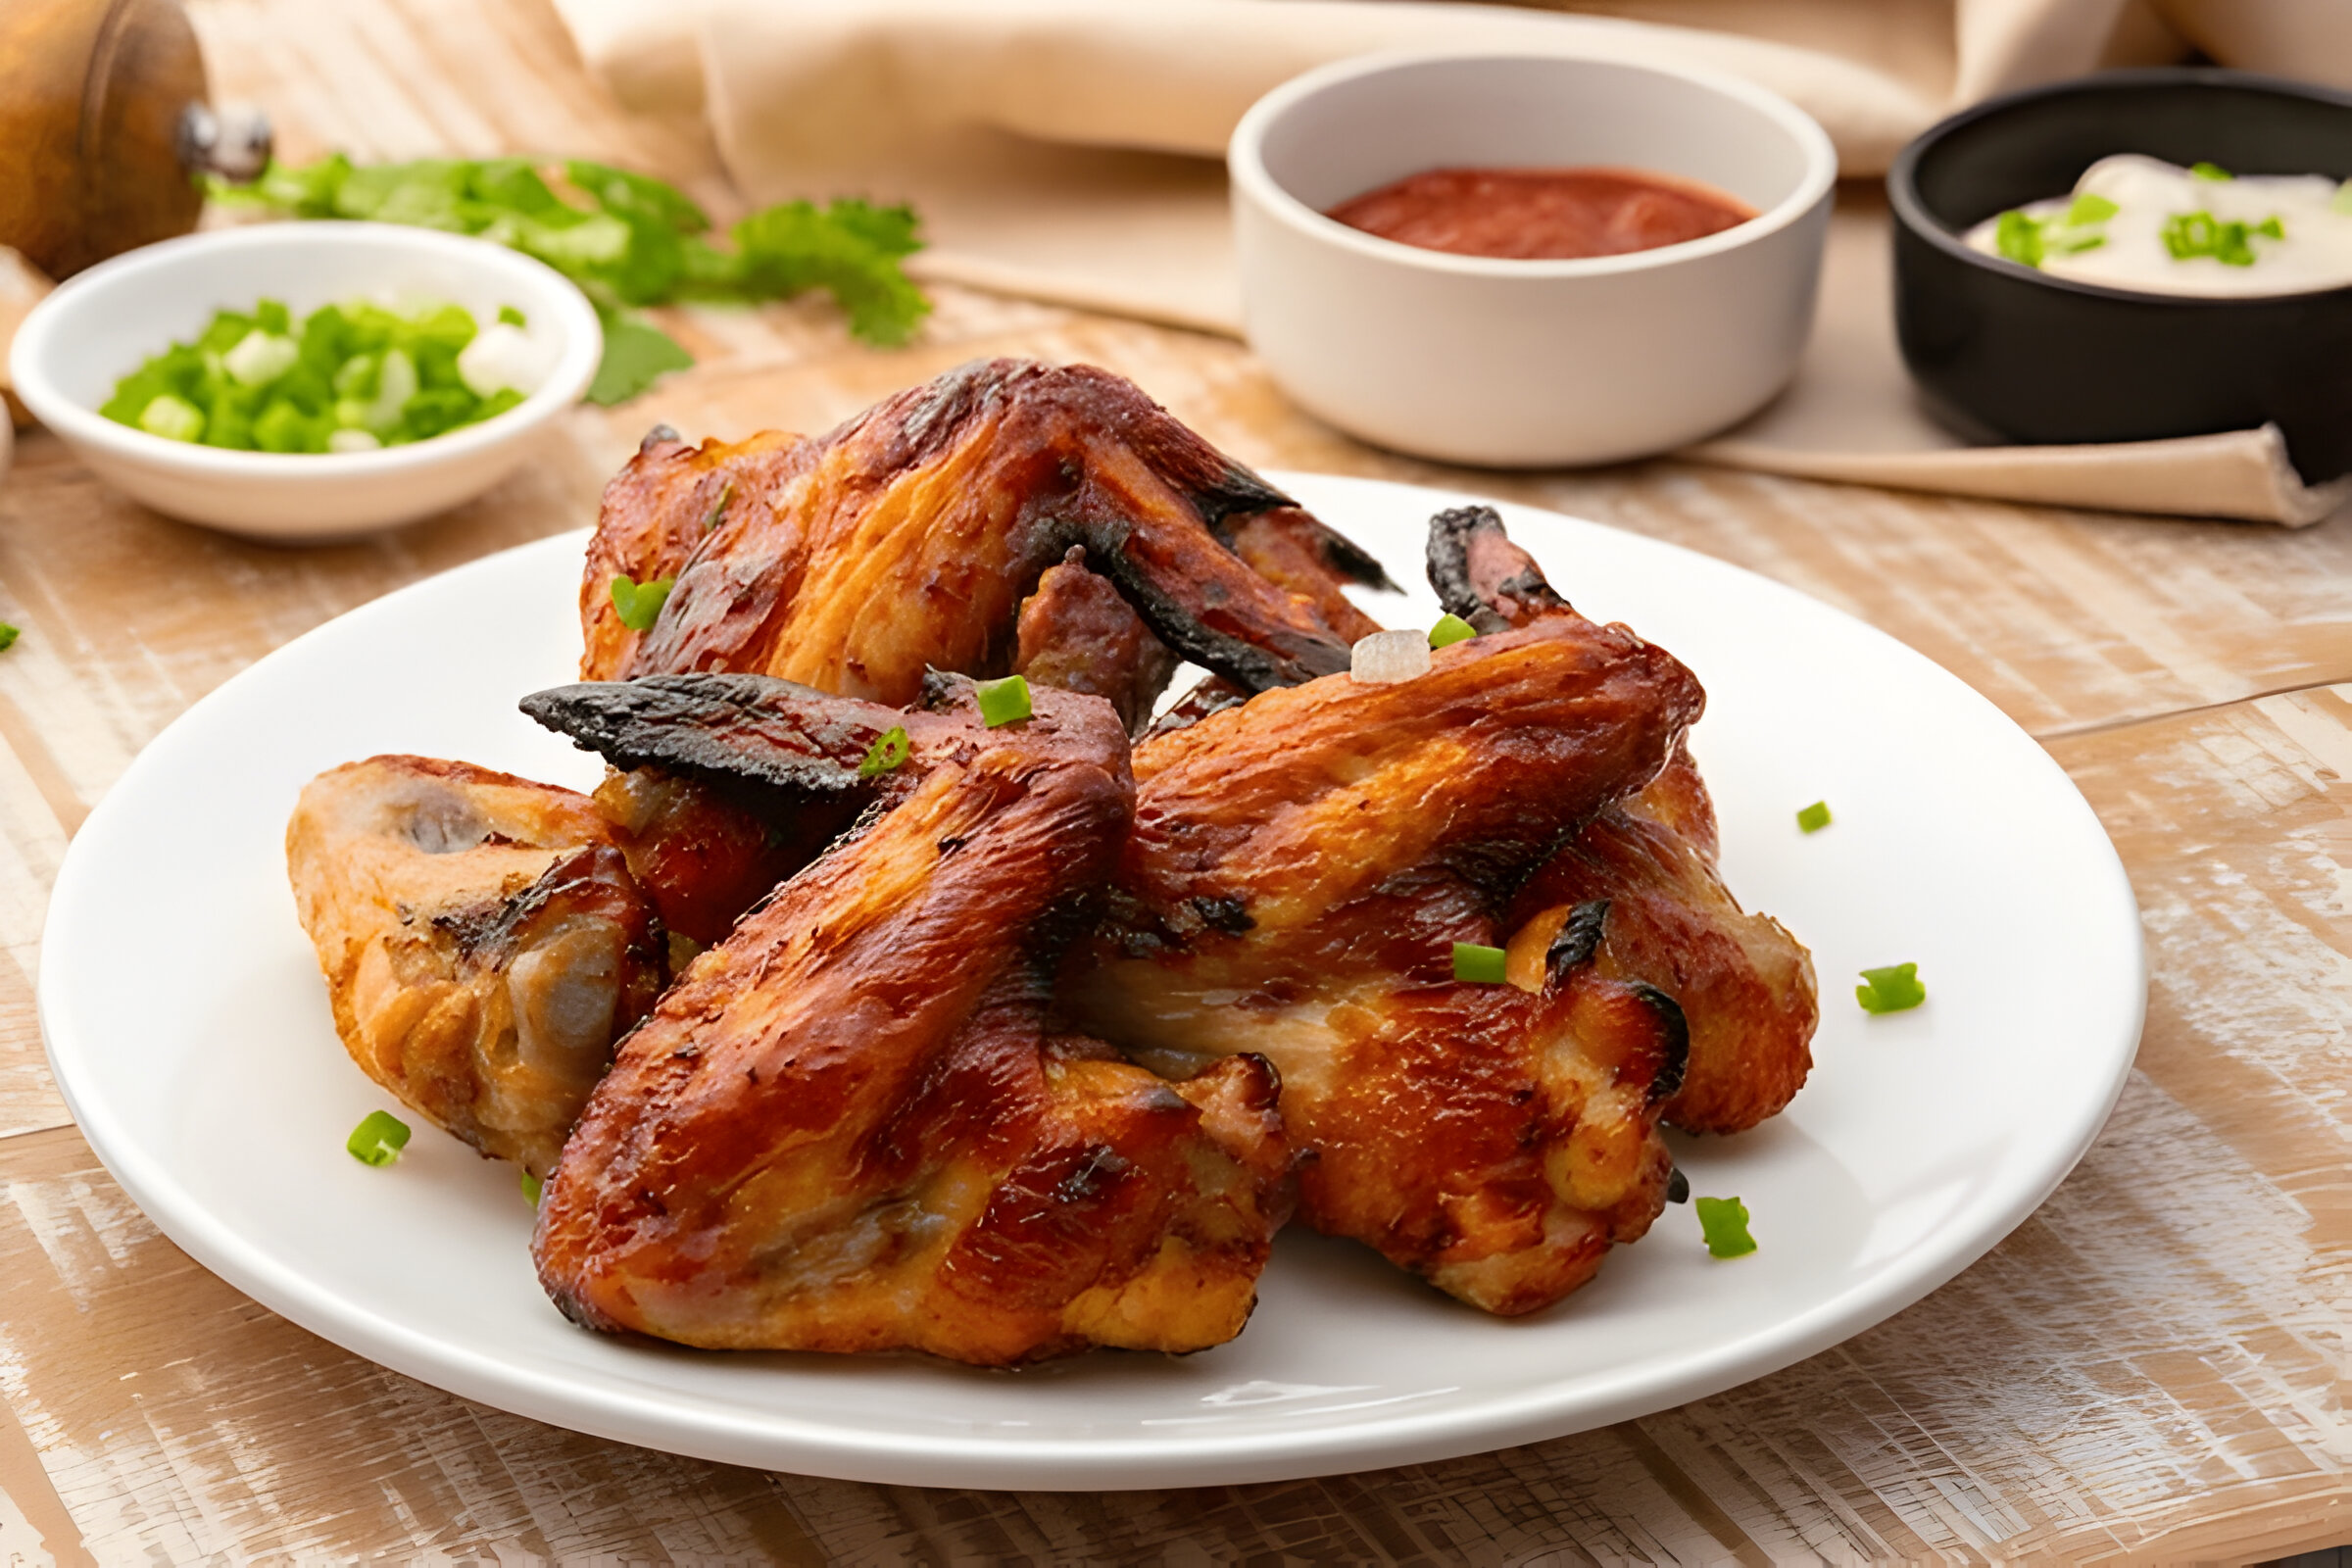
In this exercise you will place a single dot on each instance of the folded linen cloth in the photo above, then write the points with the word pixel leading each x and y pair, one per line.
pixel 1070 151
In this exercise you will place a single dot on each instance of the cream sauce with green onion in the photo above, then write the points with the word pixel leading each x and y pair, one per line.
pixel 2141 223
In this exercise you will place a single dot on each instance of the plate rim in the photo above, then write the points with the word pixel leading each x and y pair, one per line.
pixel 984 1459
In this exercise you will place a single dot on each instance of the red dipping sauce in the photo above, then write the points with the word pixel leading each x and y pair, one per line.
pixel 1542 214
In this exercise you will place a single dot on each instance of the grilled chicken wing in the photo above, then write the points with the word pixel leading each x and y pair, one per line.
pixel 916 535
pixel 1644 871
pixel 1301 869
pixel 851 1126
pixel 482 940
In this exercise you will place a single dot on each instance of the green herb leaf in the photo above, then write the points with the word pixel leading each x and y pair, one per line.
pixel 1893 989
pixel 378 1139
pixel 890 748
pixel 1724 1223
pixel 8 636
pixel 1002 702
pixel 1813 818
pixel 639 605
pixel 2019 238
pixel 512 316
pixel 626 239
pixel 2205 171
pixel 1478 965
pixel 1450 630
pixel 531 1187
pixel 636 354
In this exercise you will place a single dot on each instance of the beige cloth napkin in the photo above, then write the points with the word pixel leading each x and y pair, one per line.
pixel 1070 150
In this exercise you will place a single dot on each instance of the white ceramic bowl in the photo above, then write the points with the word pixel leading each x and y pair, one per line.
pixel 1520 363
pixel 101 324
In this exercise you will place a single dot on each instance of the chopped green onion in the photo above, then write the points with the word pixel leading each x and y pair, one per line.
pixel 2205 171
pixel 8 636
pixel 1724 1223
pixel 1450 630
pixel 378 1139
pixel 2089 209
pixel 1893 989
pixel 512 316
pixel 719 507
pixel 2189 235
pixel 531 1187
pixel 889 749
pixel 1478 965
pixel 1813 818
pixel 2342 201
pixel 2019 238
pixel 1002 702
pixel 639 604
pixel 172 419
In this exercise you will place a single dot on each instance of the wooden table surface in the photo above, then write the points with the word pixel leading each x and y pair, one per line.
pixel 2152 1367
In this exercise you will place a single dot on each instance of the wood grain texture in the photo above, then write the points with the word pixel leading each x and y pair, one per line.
pixel 2150 1369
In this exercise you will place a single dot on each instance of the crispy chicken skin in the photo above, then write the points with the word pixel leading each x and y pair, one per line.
pixel 911 537
pixel 1299 871
pixel 851 1125
pixel 1644 869
pixel 482 941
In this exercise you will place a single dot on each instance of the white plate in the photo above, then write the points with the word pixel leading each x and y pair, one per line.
pixel 190 1032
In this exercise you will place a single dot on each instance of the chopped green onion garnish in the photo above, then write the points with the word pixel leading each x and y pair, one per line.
pixel 172 419
pixel 378 1139
pixel 2089 209
pixel 2205 171
pixel 8 636
pixel 719 507
pixel 2189 235
pixel 1002 702
pixel 513 318
pixel 639 604
pixel 1450 630
pixel 2019 238
pixel 1893 989
pixel 531 1189
pixel 1723 1222
pixel 2342 201
pixel 889 749
pixel 1813 818
pixel 1479 965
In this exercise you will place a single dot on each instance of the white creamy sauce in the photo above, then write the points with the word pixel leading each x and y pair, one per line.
pixel 2143 223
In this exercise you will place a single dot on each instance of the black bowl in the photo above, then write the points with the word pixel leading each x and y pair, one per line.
pixel 2006 353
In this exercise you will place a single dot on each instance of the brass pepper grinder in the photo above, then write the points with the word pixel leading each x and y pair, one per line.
pixel 105 128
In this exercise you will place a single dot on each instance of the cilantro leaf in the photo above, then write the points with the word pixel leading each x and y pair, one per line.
pixel 636 354
pixel 1724 1223
pixel 1893 989
pixel 627 239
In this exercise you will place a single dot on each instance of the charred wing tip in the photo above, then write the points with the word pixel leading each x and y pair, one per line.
pixel 1674 1031
pixel 1448 558
pixel 657 435
pixel 1576 943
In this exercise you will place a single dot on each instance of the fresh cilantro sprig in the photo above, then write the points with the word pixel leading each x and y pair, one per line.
pixel 627 239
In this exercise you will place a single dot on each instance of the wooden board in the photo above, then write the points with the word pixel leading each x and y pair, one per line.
pixel 2150 1368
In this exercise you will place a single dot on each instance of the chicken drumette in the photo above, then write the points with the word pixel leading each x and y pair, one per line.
pixel 482 941
pixel 851 1126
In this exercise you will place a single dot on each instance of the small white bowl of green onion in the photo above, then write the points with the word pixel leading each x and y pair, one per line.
pixel 307 381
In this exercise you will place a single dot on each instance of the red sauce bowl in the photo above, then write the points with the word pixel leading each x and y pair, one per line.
pixel 1514 363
